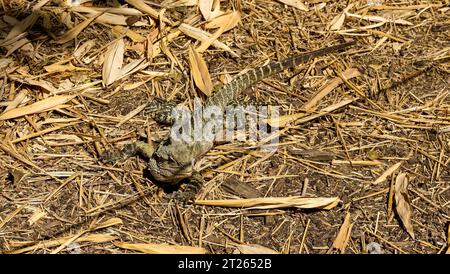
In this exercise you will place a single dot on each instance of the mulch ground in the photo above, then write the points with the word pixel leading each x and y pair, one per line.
pixel 367 127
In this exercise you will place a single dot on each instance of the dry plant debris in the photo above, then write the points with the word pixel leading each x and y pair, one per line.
pixel 363 133
pixel 402 202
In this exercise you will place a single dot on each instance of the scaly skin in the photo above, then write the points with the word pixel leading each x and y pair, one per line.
pixel 173 159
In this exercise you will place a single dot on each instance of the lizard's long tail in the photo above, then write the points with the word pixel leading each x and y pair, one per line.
pixel 231 91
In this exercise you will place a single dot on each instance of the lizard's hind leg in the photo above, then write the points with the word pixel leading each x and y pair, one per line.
pixel 161 111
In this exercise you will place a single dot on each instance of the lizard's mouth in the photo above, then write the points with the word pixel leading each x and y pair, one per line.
pixel 166 171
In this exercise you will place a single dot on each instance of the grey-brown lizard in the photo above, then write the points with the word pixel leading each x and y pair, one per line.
pixel 173 158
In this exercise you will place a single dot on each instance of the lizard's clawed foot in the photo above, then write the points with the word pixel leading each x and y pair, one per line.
pixel 182 196
pixel 127 151
pixel 110 156
pixel 115 155
pixel 192 188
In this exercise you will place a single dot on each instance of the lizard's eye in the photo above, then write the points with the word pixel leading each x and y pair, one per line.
pixel 167 141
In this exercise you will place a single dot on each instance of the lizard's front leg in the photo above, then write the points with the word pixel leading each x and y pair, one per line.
pixel 129 150
pixel 192 188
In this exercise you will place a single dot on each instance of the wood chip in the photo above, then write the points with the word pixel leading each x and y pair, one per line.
pixel 295 3
pixel 37 107
pixel 93 238
pixel 380 19
pixel 387 173
pixel 63 68
pixel 20 28
pixel 134 36
pixel 343 236
pixel 240 189
pixel 73 32
pixel 402 203
pixel 161 248
pixel 230 19
pixel 274 202
pixel 142 6
pixel 255 249
pixel 200 72
pixel 112 66
pixel 202 35
pixel 331 85
pixel 210 9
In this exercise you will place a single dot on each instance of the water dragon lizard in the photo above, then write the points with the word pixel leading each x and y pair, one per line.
pixel 172 160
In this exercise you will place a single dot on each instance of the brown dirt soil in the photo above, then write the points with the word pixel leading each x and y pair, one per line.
pixel 56 195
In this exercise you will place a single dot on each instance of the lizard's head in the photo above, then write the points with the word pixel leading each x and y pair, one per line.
pixel 168 171
pixel 172 162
